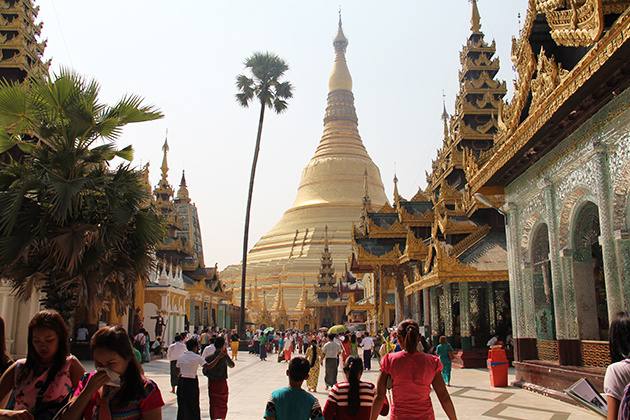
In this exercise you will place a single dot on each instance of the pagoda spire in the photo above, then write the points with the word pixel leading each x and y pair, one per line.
pixel 182 194
pixel 397 196
pixel 164 166
pixel 340 77
pixel 256 298
pixel 163 192
pixel 475 20
pixel 303 297
pixel 445 117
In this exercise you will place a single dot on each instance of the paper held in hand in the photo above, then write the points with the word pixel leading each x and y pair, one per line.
pixel 585 393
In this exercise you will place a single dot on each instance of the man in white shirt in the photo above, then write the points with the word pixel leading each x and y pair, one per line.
pixel 493 340
pixel 210 349
pixel 188 387
pixel 368 345
pixel 331 352
pixel 174 351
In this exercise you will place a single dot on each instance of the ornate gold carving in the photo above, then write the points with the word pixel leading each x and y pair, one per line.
pixel 576 25
pixel 549 76
pixel 387 208
pixel 396 230
pixel 477 235
pixel 420 196
pixel 488 98
pixel 506 147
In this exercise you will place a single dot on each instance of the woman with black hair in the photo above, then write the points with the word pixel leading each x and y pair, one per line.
pixel 353 399
pixel 44 380
pixel 117 389
pixel 314 356
pixel 618 373
pixel 413 373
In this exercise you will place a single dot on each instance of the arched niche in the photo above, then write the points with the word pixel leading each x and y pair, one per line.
pixel 588 273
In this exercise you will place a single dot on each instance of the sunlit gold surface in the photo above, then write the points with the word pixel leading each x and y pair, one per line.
pixel 330 193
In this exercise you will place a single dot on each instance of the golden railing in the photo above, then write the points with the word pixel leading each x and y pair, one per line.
pixel 595 353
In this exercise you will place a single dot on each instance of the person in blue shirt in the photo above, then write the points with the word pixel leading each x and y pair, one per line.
pixel 292 402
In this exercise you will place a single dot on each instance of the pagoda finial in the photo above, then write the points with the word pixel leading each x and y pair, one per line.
pixel 165 148
pixel 326 237
pixel 183 181
pixel 475 20
pixel 396 194
pixel 445 116
pixel 340 77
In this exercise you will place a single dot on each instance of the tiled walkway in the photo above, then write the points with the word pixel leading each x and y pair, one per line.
pixel 251 382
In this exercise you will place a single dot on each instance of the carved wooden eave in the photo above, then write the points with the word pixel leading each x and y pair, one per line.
pixel 435 278
pixel 365 258
pixel 415 249
pixel 513 137
pixel 387 208
pixel 479 46
pixel 474 237
pixel 396 230
pixel 450 227
pixel 357 232
pixel 408 219
pixel 448 269
pixel 574 26
pixel 420 197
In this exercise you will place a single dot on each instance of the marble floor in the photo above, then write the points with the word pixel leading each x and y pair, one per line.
pixel 251 382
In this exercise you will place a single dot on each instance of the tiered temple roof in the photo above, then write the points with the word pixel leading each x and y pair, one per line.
pixel 21 51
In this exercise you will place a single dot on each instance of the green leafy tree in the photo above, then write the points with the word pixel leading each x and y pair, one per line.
pixel 71 225
pixel 265 87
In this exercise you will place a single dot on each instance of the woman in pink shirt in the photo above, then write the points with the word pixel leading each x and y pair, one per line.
pixel 413 373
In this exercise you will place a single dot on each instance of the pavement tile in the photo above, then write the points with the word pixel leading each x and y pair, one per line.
pixel 252 381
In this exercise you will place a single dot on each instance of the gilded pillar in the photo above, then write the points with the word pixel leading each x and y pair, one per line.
pixel 435 315
pixel 611 275
pixel 378 279
pixel 566 258
pixel 426 309
pixel 554 257
pixel 399 294
pixel 492 313
pixel 464 315
pixel 448 311
pixel 622 238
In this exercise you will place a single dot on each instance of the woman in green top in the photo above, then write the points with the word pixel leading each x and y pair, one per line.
pixel 354 346
pixel 442 350
pixel 263 347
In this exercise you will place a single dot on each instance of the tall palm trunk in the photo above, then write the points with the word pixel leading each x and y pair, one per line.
pixel 241 329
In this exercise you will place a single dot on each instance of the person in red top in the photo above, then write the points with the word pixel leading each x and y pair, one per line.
pixel 413 373
pixel 353 399
pixel 345 348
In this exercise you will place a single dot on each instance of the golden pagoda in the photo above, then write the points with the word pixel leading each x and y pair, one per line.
pixel 330 194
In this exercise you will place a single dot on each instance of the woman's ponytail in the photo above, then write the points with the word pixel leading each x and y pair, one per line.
pixel 353 368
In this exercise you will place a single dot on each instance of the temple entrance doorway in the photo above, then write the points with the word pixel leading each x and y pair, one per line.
pixel 588 275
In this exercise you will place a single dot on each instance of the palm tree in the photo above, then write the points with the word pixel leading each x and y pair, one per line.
pixel 267 69
pixel 70 225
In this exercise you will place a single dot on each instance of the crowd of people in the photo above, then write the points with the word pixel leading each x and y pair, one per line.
pixel 51 381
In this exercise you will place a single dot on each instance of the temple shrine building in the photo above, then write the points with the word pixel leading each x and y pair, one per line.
pixel 559 169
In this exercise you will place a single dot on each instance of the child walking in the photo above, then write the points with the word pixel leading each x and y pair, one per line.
pixel 292 402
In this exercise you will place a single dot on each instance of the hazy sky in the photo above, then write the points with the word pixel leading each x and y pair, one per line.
pixel 184 57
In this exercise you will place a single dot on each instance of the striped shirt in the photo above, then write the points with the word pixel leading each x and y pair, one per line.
pixel 337 404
